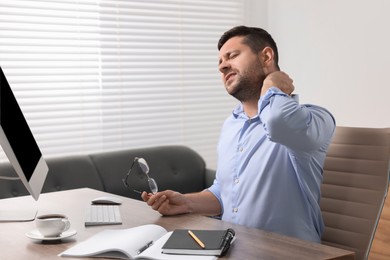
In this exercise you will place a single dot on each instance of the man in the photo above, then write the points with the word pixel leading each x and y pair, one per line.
pixel 271 149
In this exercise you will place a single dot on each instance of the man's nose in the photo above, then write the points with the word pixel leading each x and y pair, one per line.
pixel 224 66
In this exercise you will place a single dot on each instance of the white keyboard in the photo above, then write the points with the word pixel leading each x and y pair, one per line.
pixel 103 215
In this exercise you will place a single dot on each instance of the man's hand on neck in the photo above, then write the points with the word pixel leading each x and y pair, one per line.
pixel 280 80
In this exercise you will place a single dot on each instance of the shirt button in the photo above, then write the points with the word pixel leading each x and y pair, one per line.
pixel 236 181
pixel 235 210
pixel 241 149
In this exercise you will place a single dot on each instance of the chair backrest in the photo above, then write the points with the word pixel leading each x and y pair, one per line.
pixel 354 189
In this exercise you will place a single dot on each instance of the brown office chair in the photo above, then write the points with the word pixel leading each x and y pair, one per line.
pixel 354 189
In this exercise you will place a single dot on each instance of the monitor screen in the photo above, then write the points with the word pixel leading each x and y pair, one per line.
pixel 18 142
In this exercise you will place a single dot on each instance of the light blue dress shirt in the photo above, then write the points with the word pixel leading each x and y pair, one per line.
pixel 270 166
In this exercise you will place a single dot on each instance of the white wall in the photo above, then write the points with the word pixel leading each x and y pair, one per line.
pixel 337 52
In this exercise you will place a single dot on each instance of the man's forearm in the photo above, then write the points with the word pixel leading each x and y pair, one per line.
pixel 204 203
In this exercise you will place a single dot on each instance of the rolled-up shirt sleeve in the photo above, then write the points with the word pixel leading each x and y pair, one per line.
pixel 215 189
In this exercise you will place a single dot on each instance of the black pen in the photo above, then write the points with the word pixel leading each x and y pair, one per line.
pixel 226 241
pixel 145 247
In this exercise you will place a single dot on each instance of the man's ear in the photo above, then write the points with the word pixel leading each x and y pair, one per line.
pixel 267 59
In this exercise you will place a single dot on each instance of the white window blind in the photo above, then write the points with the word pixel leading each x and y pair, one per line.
pixel 102 75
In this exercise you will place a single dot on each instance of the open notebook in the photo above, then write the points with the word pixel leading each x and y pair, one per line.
pixel 139 242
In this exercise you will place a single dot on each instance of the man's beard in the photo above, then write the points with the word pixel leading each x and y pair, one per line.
pixel 248 88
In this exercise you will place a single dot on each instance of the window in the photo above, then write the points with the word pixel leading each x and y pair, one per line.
pixel 102 75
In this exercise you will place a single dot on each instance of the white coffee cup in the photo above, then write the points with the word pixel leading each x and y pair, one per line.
pixel 52 225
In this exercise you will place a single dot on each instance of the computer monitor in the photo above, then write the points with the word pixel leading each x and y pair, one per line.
pixel 21 149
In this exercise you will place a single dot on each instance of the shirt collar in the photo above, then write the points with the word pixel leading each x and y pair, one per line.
pixel 238 112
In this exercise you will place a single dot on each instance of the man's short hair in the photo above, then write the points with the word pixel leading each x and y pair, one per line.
pixel 256 38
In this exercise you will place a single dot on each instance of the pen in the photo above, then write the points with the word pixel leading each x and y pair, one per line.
pixel 226 241
pixel 200 243
pixel 144 247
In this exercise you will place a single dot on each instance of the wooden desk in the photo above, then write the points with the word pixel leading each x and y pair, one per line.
pixel 250 243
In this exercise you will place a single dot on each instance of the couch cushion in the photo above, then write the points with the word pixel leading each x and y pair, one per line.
pixel 173 167
pixel 71 172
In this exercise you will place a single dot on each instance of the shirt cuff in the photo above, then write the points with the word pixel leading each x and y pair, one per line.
pixel 265 100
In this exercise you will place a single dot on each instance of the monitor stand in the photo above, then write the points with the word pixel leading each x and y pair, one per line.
pixel 18 209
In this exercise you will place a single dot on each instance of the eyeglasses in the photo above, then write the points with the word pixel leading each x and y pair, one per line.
pixel 145 169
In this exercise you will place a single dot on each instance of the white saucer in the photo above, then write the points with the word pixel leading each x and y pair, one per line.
pixel 34 234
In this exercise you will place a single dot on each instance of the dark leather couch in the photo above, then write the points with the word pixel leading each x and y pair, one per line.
pixel 173 167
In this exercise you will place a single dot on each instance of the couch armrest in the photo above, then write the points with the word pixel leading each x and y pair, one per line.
pixel 10 188
pixel 209 177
